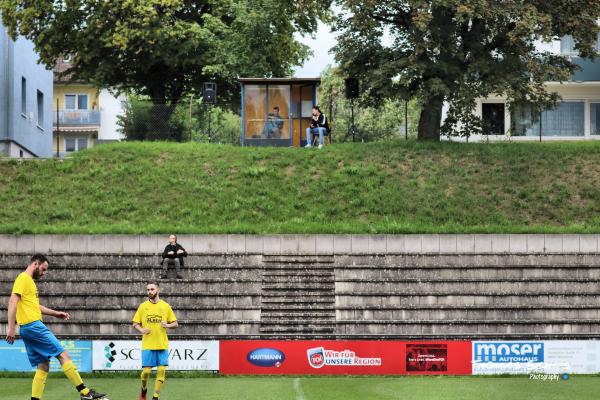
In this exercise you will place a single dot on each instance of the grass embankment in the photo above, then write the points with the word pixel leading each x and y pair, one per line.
pixel 330 388
pixel 388 187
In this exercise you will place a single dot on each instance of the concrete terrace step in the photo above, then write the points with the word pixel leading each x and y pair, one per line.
pixel 466 280
pixel 309 329
pixel 110 316
pixel 467 329
pixel 435 299
pixel 267 315
pixel 471 287
pixel 528 272
pixel 130 301
pixel 295 259
pixel 469 314
pixel 102 329
pixel 298 287
pixel 103 288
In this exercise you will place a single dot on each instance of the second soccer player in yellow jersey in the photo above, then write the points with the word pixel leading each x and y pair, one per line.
pixel 152 319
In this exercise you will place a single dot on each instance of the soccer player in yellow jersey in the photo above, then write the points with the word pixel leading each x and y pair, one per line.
pixel 40 343
pixel 152 319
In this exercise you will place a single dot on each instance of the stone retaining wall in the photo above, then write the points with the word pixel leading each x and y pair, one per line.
pixel 304 244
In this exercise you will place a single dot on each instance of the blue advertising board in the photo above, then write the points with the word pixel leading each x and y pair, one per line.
pixel 14 357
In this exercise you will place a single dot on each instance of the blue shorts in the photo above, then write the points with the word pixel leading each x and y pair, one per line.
pixel 41 344
pixel 155 358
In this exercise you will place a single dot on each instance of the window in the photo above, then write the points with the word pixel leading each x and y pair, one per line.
pixel 566 119
pixel 76 101
pixel 493 118
pixel 75 144
pixel 40 108
pixel 23 96
pixel 82 143
pixel 70 145
pixel 595 118
pixel 567 46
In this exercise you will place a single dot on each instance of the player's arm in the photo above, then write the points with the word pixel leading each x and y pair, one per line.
pixel 12 317
pixel 54 313
pixel 170 325
pixel 140 329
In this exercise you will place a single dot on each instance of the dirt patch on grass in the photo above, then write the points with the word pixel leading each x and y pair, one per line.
pixel 288 171
pixel 161 159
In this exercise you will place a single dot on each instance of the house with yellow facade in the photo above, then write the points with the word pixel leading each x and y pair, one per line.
pixel 83 114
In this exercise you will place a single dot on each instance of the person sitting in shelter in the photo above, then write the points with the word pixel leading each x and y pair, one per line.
pixel 274 125
pixel 172 254
pixel 318 124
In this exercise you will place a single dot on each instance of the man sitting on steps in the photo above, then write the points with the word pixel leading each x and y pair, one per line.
pixel 173 253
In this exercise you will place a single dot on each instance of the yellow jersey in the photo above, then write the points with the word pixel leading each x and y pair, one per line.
pixel 150 315
pixel 28 307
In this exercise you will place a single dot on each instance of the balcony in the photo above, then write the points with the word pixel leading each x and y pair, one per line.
pixel 590 70
pixel 77 118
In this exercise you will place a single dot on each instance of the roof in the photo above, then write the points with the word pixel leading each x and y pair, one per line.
pixel 60 68
pixel 279 80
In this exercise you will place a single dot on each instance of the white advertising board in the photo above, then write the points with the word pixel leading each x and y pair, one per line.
pixel 121 355
pixel 548 357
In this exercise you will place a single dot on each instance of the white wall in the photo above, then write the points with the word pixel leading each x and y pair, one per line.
pixel 110 108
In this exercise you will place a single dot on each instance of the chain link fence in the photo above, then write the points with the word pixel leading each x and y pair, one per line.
pixel 188 119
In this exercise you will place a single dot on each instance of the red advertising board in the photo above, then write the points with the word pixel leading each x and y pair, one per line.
pixel 344 357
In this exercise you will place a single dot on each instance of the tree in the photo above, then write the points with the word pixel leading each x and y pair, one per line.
pixel 382 121
pixel 456 51
pixel 163 49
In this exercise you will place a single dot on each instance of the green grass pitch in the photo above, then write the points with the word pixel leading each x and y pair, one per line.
pixel 126 387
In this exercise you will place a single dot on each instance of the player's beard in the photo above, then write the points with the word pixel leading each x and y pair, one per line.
pixel 36 273
pixel 152 296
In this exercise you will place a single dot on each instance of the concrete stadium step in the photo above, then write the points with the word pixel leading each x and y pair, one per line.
pixel 474 327
pixel 303 281
pixel 100 328
pixel 268 315
pixel 142 275
pixel 436 299
pixel 293 308
pixel 458 287
pixel 298 259
pixel 491 273
pixel 123 314
pixel 490 314
pixel 132 300
pixel 306 329
pixel 109 287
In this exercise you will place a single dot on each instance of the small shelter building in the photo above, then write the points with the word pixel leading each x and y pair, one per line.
pixel 277 111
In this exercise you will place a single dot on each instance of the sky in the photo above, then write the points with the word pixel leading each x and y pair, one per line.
pixel 321 44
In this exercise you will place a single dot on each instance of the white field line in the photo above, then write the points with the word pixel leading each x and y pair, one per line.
pixel 298 389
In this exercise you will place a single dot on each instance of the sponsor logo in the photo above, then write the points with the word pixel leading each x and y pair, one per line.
pixel 319 356
pixel 154 319
pixel 427 357
pixel 265 357
pixel 316 357
pixel 509 352
pixel 109 354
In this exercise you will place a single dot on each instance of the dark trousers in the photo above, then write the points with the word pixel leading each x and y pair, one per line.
pixel 167 261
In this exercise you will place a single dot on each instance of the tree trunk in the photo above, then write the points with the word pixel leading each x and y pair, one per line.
pixel 159 126
pixel 430 119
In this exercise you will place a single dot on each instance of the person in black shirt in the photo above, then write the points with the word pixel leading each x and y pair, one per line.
pixel 173 254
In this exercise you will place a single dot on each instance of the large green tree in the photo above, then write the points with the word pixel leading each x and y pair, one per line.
pixel 458 50
pixel 165 48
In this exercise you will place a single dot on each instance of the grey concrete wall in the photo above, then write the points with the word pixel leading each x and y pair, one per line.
pixel 305 244
pixel 327 286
